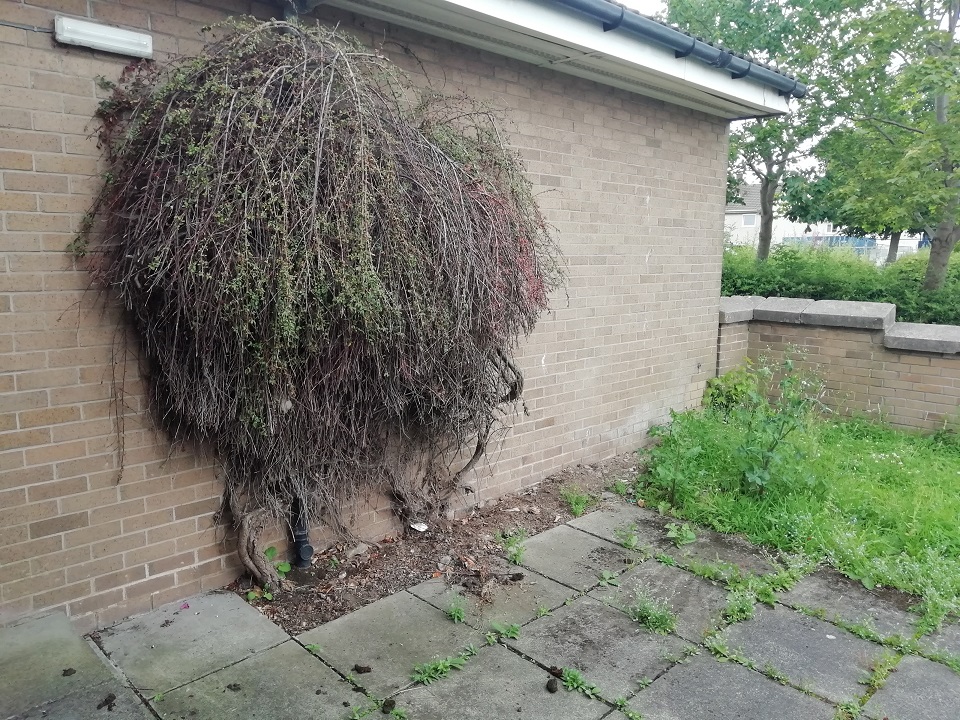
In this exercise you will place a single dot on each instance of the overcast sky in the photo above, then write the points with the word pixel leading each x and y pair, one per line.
pixel 647 7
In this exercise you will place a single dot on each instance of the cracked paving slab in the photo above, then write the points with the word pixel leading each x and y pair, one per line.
pixel 513 602
pixel 389 636
pixel 847 600
pixel 498 684
pixel 172 645
pixel 611 650
pixel 284 682
pixel 697 603
pixel 574 558
pixel 919 689
pixel 811 653
pixel 42 660
pixel 707 689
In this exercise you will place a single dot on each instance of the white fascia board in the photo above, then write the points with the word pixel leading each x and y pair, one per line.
pixel 556 36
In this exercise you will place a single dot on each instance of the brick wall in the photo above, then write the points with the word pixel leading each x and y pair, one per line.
pixel 905 388
pixel 905 374
pixel 733 343
pixel 634 187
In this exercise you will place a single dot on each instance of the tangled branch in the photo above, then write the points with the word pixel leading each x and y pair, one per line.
pixel 328 271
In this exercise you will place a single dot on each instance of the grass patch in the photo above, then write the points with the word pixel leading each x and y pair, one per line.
pixel 878 504
pixel 577 499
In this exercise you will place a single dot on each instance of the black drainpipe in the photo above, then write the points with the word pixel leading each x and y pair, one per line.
pixel 614 16
pixel 302 549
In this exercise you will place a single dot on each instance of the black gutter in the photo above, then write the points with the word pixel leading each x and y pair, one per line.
pixel 615 17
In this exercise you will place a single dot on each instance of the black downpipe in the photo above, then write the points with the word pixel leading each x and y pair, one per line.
pixel 614 16
pixel 302 549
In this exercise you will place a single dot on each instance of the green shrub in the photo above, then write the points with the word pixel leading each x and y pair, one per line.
pixel 823 274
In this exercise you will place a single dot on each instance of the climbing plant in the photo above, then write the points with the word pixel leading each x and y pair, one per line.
pixel 328 270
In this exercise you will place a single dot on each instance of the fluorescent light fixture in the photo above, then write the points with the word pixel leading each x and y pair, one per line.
pixel 102 37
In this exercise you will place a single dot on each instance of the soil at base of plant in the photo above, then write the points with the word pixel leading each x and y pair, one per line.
pixel 463 550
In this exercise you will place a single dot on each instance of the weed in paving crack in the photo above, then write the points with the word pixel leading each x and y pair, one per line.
pixel 848 710
pixel 543 611
pixel 627 536
pixel 739 606
pixel 608 579
pixel 456 612
pixel 512 544
pixel 880 670
pixel 573 680
pixel 653 614
pixel 680 534
pixel 429 672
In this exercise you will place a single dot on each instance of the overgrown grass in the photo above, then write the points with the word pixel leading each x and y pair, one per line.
pixel 878 504
pixel 835 275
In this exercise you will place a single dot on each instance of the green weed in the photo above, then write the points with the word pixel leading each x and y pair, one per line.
pixel 608 579
pixel 739 606
pixel 456 612
pixel 573 680
pixel 653 614
pixel 680 534
pixel 512 544
pixel 577 500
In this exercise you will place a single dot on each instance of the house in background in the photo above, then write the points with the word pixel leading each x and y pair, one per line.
pixel 622 123
pixel 741 226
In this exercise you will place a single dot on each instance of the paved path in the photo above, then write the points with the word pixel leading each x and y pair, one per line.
pixel 215 656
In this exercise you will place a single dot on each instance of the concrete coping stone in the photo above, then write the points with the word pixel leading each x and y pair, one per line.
pixel 851 314
pixel 781 309
pixel 923 338
pixel 739 308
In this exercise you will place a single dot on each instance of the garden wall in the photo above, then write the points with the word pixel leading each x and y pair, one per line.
pixel 907 374
pixel 634 187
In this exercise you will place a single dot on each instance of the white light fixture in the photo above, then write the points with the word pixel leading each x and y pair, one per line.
pixel 102 37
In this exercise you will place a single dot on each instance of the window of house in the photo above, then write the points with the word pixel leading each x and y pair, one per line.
pixel 749 220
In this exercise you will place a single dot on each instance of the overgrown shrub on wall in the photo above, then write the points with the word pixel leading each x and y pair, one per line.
pixel 328 271
pixel 822 274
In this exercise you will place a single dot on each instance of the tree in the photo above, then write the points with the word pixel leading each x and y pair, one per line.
pixel 788 34
pixel 898 83
pixel 852 190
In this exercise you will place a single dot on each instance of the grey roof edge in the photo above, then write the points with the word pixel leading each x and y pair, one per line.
pixel 915 337
pixel 614 15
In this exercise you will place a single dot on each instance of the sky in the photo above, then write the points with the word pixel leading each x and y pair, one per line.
pixel 647 7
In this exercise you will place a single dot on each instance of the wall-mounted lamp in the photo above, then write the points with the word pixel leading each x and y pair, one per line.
pixel 102 37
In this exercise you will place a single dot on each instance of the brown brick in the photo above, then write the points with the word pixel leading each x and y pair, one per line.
pixel 118 543
pixel 123 577
pixel 197 508
pixel 18 201
pixel 54 490
pixel 24 438
pixel 150 586
pixel 14 160
pixel 59 524
pixel 30 182
pixel 174 562
pixel 91 603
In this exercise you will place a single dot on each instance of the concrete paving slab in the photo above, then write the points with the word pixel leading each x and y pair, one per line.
pixel 944 640
pixel 714 547
pixel 170 646
pixel 574 558
pixel 498 684
pixel 110 700
pixel 811 653
pixel 919 689
pixel 705 689
pixel 509 602
pixel 851 314
pixel 847 600
pixel 611 650
pixel 285 682
pixel 618 517
pixel 43 659
pixel 697 603
pixel 389 636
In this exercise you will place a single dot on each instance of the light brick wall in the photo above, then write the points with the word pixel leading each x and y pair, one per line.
pixel 634 187
pixel 733 343
pixel 904 388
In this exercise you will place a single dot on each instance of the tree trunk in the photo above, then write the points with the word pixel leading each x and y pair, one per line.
pixel 894 247
pixel 941 247
pixel 768 189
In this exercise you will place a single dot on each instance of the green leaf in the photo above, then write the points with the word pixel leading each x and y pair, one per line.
pixel 270 553
pixel 283 568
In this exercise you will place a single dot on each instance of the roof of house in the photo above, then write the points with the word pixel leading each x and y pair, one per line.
pixel 604 42
pixel 751 201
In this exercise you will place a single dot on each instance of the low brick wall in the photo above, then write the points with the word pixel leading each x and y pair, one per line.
pixel 905 373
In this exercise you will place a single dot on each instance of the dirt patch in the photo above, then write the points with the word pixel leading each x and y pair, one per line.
pixel 346 577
